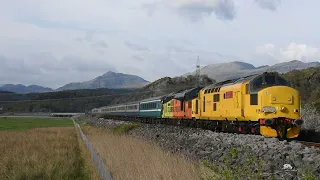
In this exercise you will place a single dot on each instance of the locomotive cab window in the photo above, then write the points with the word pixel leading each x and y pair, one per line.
pixel 265 81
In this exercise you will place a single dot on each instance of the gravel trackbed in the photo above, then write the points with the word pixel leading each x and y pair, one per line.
pixel 274 158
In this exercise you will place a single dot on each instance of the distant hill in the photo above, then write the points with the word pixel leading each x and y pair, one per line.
pixel 19 88
pixel 6 92
pixel 224 71
pixel 108 80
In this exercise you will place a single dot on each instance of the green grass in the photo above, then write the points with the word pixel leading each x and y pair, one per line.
pixel 24 123
pixel 124 128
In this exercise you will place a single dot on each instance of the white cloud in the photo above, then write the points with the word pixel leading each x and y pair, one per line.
pixel 293 51
pixel 268 4
pixel 195 9
pixel 54 42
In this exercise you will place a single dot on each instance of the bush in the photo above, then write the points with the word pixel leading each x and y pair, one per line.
pixel 311 117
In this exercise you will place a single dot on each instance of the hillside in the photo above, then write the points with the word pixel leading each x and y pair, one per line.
pixel 19 88
pixel 224 71
pixel 108 80
pixel 164 86
pixel 307 81
pixel 5 92
pixel 84 100
pixel 62 101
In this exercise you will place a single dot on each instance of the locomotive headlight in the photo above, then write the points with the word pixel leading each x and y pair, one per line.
pixel 289 99
pixel 274 99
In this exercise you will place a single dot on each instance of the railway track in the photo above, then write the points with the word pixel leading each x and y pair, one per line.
pixel 310 144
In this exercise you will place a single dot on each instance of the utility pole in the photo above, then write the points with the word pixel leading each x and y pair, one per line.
pixel 198 72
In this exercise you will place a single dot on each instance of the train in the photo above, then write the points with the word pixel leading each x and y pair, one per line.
pixel 264 104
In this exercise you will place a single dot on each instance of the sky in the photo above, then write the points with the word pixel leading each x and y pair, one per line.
pixel 55 42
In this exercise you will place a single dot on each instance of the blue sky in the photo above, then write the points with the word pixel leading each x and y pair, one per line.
pixel 54 42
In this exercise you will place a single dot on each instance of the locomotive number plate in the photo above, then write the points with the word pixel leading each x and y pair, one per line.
pixel 269 109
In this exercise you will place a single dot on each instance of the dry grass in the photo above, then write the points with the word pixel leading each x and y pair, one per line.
pixel 44 153
pixel 129 158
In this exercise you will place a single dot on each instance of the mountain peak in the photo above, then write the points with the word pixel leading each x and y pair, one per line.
pixel 224 71
pixel 108 80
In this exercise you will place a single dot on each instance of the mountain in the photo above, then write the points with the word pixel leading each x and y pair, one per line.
pixel 19 88
pixel 224 71
pixel 108 80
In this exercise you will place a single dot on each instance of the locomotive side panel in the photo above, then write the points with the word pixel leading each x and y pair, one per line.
pixel 167 109
pixel 195 108
pixel 178 108
pixel 188 109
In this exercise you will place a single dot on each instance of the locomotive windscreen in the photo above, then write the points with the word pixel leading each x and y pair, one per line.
pixel 264 81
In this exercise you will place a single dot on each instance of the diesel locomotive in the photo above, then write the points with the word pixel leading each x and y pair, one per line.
pixel 263 104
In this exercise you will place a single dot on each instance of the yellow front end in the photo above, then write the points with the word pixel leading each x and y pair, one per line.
pixel 279 112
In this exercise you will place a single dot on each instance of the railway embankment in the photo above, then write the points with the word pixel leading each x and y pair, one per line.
pixel 232 155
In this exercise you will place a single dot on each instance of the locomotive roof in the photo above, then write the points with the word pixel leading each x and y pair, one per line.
pixel 231 81
pixel 184 93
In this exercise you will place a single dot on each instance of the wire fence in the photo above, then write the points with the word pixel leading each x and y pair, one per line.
pixel 97 160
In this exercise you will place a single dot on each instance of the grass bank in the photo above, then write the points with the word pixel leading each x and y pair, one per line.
pixel 43 153
pixel 129 158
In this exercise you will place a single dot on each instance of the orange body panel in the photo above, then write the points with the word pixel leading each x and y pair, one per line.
pixel 184 112
pixel 188 109
pixel 177 112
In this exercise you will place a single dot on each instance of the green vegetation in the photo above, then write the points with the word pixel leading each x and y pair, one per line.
pixel 232 169
pixel 124 128
pixel 23 123
pixel 239 163
pixel 307 82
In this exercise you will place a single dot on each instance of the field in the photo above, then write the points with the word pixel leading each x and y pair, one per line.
pixel 130 158
pixel 40 148
pixel 23 123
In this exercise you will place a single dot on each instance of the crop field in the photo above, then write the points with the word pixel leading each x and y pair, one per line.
pixel 42 148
